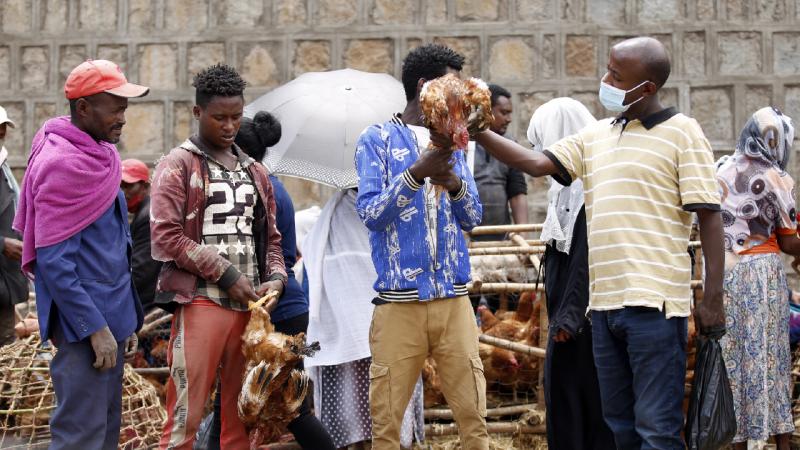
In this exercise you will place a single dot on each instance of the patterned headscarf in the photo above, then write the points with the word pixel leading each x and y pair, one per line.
pixel 767 136
pixel 756 191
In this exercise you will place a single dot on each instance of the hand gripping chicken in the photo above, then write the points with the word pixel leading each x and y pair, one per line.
pixel 456 109
pixel 273 389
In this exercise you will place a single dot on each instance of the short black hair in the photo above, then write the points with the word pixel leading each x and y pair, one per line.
pixel 659 69
pixel 497 92
pixel 73 103
pixel 218 80
pixel 428 62
pixel 258 133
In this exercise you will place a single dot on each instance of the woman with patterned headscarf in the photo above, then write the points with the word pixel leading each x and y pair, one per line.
pixel 759 219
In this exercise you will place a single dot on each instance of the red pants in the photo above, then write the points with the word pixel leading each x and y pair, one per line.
pixel 204 337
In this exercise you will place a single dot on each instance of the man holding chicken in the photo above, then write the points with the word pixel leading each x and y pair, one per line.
pixel 416 204
pixel 644 173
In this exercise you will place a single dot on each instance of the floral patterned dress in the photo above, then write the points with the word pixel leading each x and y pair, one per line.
pixel 756 346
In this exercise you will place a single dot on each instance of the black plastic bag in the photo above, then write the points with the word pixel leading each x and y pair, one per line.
pixel 711 421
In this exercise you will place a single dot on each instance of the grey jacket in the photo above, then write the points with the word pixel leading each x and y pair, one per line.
pixel 13 284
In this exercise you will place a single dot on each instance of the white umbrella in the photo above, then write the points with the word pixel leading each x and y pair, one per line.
pixel 322 114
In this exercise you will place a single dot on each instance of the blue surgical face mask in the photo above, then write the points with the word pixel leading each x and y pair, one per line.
pixel 613 98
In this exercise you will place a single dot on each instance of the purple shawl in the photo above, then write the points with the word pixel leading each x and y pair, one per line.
pixel 71 180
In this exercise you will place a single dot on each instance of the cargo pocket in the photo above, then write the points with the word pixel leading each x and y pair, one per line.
pixel 380 394
pixel 480 384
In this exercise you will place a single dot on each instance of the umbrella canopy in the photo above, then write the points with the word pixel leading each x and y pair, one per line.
pixel 322 114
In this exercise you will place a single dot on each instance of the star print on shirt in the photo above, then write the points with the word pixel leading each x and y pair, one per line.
pixel 222 247
pixel 216 172
pixel 239 247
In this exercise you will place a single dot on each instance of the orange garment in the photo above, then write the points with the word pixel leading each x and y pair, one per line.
pixel 204 337
pixel 771 245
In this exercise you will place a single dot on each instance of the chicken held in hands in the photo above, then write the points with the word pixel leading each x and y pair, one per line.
pixel 273 388
pixel 455 108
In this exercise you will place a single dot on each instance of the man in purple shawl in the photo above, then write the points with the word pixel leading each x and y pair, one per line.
pixel 76 243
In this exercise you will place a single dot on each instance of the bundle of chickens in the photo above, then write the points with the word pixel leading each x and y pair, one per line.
pixel 455 108
pixel 506 372
pixel 273 387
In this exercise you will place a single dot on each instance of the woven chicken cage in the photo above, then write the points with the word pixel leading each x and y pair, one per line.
pixel 27 400
pixel 510 269
pixel 796 397
pixel 150 360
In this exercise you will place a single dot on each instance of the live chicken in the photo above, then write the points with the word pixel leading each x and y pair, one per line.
pixel 454 107
pixel 273 389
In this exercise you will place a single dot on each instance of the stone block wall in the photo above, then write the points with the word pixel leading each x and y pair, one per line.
pixel 729 56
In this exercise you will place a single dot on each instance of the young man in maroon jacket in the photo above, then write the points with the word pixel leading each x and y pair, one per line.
pixel 213 225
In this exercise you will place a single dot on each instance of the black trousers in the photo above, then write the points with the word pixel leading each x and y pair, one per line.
pixel 574 413
pixel 572 393
pixel 306 428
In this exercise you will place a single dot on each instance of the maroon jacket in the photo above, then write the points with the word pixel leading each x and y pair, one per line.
pixel 177 206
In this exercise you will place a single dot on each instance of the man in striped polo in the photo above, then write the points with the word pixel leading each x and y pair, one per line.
pixel 644 173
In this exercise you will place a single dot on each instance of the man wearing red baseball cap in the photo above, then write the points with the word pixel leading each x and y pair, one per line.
pixel 136 186
pixel 76 241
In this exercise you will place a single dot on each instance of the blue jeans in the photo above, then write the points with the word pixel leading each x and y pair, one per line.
pixel 641 367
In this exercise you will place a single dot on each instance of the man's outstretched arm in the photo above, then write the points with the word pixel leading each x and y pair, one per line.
pixel 533 163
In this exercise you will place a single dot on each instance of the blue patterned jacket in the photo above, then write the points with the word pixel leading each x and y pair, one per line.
pixel 392 206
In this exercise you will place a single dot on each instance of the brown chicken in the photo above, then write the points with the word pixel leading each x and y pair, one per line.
pixel 509 329
pixel 431 384
pixel 273 389
pixel 525 306
pixel 499 365
pixel 455 108
pixel 529 364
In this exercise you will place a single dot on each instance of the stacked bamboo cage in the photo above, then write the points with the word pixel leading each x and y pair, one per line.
pixel 27 400
pixel 511 410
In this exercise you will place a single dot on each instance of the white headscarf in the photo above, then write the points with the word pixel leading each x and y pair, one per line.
pixel 551 122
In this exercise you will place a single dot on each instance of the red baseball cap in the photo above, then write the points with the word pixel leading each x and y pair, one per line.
pixel 96 76
pixel 134 171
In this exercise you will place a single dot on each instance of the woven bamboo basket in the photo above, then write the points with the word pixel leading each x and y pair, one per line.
pixel 27 400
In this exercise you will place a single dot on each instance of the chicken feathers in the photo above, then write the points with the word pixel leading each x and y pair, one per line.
pixel 273 389
pixel 456 108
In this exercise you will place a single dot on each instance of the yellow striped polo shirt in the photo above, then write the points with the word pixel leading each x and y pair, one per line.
pixel 642 179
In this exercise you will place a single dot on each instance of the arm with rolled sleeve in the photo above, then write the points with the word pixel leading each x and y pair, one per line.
pixel 379 205
pixel 56 268
pixel 466 204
